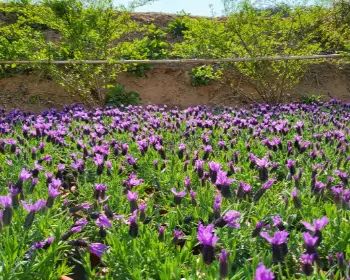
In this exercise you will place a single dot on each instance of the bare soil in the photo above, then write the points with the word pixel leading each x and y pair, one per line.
pixel 170 86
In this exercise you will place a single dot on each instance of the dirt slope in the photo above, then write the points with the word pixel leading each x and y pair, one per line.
pixel 165 85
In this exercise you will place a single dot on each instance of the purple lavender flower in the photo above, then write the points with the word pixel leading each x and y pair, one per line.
pixel 278 222
pixel 40 245
pixel 182 148
pixel 142 209
pixel 83 206
pixel 41 203
pixel 291 166
pixel 337 192
pixel 207 150
pixel 99 162
pixel 208 240
pixel 155 164
pixel 25 175
pixel 217 206
pixel 230 219
pixel 223 183
pixel 262 165
pixel 98 249
pixel 319 187
pixel 6 202
pixel 199 167
pixel 100 192
pixel 178 195
pixel 177 236
pixel 263 189
pixel 269 183
pixel 49 177
pixel 340 259
pixel 188 183
pixel 161 235
pixel 193 197
pixel 133 226
pixel 53 193
pixel 343 176
pixel 223 263
pixel 310 242
pixel 56 183
pixel 214 168
pixel 299 127
pixel 32 209
pixel 103 222
pixel 317 226
pixel 243 189
pixel 263 273
pixel 307 261
pixel 258 227
pixel 279 244
pixel 296 200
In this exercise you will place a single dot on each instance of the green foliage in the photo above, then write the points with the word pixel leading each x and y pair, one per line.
pixel 118 95
pixel 152 46
pixel 178 26
pixel 203 75
pixel 310 99
pixel 249 32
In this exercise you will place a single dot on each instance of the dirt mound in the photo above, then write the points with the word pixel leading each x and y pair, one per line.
pixel 168 85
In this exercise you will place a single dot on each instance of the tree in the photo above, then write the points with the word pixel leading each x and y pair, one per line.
pixel 252 32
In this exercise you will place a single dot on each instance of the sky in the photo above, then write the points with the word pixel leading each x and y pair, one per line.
pixel 194 7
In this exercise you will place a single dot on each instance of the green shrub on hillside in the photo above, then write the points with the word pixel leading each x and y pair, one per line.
pixel 178 26
pixel 118 95
pixel 203 75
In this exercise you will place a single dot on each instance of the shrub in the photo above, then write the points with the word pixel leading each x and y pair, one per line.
pixel 203 75
pixel 118 95
pixel 310 99
pixel 177 26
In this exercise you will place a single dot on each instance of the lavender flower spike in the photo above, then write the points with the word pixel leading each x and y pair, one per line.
pixel 53 193
pixel 133 226
pixel 264 188
pixel 258 227
pixel 223 263
pixel 32 209
pixel 263 273
pixel 6 202
pixel 279 244
pixel 178 195
pixel 208 240
pixel 317 226
pixel 229 219
pixel 98 249
pixel 161 234
pixel 310 242
pixel 132 197
pixel 307 260
pixel 296 200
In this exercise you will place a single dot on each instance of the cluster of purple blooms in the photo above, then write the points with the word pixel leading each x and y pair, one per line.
pixel 136 165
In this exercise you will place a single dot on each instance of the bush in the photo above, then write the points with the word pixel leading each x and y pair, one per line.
pixel 118 95
pixel 310 99
pixel 203 75
pixel 177 26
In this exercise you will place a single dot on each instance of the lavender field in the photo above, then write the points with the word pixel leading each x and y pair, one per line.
pixel 151 193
